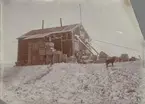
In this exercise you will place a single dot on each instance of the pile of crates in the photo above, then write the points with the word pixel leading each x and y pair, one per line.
pixel 59 57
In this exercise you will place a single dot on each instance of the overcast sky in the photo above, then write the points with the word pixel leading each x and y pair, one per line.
pixel 106 20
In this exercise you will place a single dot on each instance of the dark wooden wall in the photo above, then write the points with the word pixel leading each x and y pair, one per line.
pixel 29 50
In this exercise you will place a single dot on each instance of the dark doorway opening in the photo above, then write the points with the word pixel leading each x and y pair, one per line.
pixel 67 47
pixel 57 44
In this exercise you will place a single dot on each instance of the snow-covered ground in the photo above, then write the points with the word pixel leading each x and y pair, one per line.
pixel 141 88
pixel 73 84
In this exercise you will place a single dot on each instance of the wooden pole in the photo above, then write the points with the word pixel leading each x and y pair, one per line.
pixel 80 13
pixel 61 45
pixel 42 24
pixel 1 52
pixel 61 22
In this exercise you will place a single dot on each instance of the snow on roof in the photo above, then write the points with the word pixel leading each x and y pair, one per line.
pixel 37 36
pixel 44 32
pixel 43 35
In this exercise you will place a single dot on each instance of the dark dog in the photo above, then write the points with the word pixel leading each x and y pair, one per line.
pixel 110 60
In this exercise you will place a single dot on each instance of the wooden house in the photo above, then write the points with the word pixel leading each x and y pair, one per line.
pixel 67 40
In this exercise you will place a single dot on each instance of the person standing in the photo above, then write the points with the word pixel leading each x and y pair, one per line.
pixel 50 51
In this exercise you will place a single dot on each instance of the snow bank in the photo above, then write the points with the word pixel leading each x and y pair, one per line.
pixel 73 84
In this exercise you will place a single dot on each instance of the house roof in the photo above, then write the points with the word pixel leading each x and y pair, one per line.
pixel 40 33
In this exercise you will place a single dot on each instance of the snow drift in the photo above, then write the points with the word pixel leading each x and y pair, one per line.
pixel 73 84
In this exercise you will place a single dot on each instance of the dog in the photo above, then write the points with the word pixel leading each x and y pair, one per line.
pixel 110 60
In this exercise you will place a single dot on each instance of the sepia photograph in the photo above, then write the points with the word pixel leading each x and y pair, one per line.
pixel 71 52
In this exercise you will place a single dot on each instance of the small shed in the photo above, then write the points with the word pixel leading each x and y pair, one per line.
pixel 31 46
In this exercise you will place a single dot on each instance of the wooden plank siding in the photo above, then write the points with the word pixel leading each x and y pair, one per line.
pixel 33 52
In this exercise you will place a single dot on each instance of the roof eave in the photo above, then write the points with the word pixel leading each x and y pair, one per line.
pixel 75 27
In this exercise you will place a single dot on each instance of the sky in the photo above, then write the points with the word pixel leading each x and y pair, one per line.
pixel 106 20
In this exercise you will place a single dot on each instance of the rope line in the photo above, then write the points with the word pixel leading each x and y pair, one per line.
pixel 117 45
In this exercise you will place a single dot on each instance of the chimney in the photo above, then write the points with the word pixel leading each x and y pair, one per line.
pixel 42 24
pixel 61 22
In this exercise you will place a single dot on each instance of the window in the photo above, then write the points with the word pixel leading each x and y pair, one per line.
pixel 35 46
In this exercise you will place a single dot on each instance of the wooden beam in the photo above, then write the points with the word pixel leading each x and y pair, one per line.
pixel 73 45
pixel 61 45
pixel 67 40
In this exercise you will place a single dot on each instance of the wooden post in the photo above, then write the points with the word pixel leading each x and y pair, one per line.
pixel 61 22
pixel 80 13
pixel 73 44
pixel 1 52
pixel 42 24
pixel 61 44
pixel 29 53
